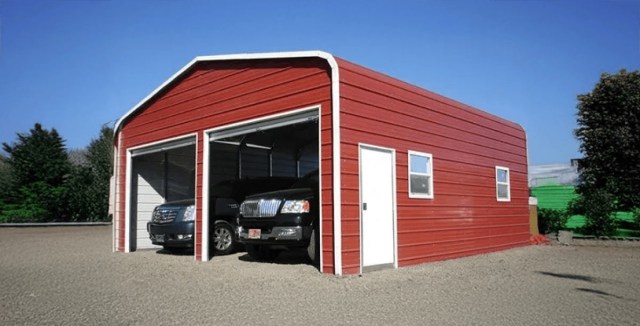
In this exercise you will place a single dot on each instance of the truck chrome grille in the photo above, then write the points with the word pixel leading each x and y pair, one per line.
pixel 260 207
pixel 164 215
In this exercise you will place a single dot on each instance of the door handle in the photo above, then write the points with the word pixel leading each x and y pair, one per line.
pixel 364 206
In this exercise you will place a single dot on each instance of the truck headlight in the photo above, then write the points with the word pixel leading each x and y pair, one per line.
pixel 295 206
pixel 189 213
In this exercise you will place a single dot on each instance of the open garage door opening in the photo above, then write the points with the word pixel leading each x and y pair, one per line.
pixel 159 174
pixel 253 158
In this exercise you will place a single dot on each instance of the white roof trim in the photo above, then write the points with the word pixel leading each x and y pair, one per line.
pixel 241 56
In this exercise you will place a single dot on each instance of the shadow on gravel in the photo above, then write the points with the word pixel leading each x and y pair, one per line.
pixel 292 257
pixel 176 252
pixel 599 293
pixel 572 277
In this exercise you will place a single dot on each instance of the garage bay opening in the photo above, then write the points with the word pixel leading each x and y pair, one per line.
pixel 161 173
pixel 250 159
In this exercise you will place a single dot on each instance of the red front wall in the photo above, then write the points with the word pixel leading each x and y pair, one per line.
pixel 219 93
pixel 464 218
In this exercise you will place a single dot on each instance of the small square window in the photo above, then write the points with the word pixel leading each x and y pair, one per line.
pixel 503 188
pixel 420 175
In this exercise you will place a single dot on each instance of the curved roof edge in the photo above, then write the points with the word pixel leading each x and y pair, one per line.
pixel 241 56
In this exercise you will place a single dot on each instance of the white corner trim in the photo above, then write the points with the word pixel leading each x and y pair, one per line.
pixel 115 199
pixel 127 204
pixel 337 166
pixel 205 194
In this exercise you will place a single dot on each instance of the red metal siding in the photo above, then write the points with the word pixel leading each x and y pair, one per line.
pixel 218 93
pixel 464 218
pixel 326 163
pixel 120 184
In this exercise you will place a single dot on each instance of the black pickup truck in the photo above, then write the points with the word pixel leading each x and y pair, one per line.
pixel 281 220
pixel 172 223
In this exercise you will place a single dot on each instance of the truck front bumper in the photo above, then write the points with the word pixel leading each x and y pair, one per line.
pixel 285 235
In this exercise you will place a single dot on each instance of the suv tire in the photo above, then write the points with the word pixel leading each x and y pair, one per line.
pixel 313 249
pixel 223 238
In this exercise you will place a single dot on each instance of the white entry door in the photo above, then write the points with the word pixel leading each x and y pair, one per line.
pixel 377 206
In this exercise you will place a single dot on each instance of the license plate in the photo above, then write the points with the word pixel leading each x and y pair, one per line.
pixel 254 233
pixel 159 237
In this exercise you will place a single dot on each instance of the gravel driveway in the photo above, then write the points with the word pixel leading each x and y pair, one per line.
pixel 69 276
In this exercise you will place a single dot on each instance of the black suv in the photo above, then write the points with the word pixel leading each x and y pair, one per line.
pixel 280 220
pixel 172 223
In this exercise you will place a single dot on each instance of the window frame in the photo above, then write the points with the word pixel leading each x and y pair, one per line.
pixel 507 183
pixel 429 174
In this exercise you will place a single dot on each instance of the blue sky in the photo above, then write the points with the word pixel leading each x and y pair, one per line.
pixel 75 65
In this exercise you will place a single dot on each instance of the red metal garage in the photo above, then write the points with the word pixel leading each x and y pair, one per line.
pixel 407 176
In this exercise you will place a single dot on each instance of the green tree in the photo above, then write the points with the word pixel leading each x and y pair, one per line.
pixel 609 135
pixel 89 183
pixel 5 178
pixel 39 168
pixel 5 183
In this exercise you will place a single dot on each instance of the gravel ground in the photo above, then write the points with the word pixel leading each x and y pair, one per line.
pixel 69 276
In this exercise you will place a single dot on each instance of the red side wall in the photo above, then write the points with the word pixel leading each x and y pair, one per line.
pixel 464 218
pixel 218 93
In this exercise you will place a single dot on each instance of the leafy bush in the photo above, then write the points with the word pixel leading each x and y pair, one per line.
pixel 599 207
pixel 40 202
pixel 636 217
pixel 576 206
pixel 551 220
pixel 23 213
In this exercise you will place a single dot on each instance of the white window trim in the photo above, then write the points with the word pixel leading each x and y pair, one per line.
pixel 508 184
pixel 429 174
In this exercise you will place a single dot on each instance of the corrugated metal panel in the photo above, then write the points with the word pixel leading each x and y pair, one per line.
pixel 327 203
pixel 464 217
pixel 225 158
pixel 214 94
pixel 148 188
pixel 181 173
pixel 283 164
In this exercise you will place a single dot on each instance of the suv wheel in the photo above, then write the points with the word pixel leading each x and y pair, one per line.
pixel 261 253
pixel 313 249
pixel 223 238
